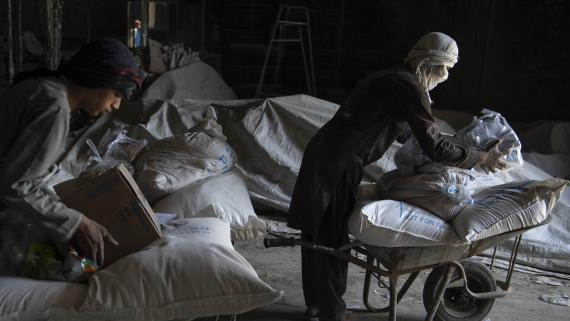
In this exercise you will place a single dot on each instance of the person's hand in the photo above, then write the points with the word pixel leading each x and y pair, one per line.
pixel 90 240
pixel 493 160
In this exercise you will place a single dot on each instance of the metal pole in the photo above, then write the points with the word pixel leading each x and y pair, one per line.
pixel 492 266
pixel 339 45
pixel 512 261
pixel 18 43
pixel 259 88
pixel 88 31
pixel 393 297
pixel 10 44
pixel 307 77
pixel 311 58
pixel 448 271
pixel 203 27
pixel 53 12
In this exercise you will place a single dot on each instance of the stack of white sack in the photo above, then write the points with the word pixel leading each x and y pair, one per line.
pixel 185 174
pixel 192 272
pixel 445 190
pixel 227 194
pixel 174 162
pixel 495 210
pixel 432 204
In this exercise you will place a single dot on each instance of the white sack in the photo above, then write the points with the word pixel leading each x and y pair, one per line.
pixel 508 207
pixel 20 296
pixel 176 278
pixel 206 229
pixel 175 162
pixel 390 223
pixel 546 247
pixel 443 193
pixel 228 195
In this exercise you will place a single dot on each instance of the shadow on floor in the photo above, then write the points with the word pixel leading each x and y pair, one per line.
pixel 286 312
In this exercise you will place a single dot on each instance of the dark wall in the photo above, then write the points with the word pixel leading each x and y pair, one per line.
pixel 527 65
pixel 108 19
pixel 513 53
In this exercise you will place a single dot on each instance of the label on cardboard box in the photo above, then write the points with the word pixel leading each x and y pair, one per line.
pixel 114 200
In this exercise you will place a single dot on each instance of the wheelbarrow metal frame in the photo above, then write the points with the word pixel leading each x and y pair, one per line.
pixel 392 262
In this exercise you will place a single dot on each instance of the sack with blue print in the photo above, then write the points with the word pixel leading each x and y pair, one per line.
pixel 444 191
pixel 174 162
pixel 508 207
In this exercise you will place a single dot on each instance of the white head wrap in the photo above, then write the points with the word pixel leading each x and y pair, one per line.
pixel 431 56
pixel 434 48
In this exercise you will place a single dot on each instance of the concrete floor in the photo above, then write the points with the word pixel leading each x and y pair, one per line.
pixel 281 268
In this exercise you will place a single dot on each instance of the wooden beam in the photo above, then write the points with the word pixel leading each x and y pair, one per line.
pixel 89 21
pixel 52 11
pixel 10 41
pixel 18 42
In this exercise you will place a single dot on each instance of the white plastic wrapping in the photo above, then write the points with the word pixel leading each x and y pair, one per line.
pixel 118 149
pixel 486 130
pixel 483 132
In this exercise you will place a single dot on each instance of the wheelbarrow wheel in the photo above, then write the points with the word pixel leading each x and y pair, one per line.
pixel 456 305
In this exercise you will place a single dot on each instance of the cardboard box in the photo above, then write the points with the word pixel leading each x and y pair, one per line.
pixel 114 200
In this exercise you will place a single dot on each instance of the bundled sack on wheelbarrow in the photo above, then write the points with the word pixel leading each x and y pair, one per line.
pixel 429 204
pixel 445 190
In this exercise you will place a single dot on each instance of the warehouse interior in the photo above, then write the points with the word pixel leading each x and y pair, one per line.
pixel 244 86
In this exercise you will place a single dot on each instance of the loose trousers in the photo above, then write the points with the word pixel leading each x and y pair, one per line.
pixel 325 276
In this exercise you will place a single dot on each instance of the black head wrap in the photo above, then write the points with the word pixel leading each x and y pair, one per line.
pixel 104 63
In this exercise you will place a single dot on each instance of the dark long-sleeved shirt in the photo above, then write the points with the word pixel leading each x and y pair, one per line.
pixel 383 107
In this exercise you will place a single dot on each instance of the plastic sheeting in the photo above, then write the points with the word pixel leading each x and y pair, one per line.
pixel 548 137
pixel 195 81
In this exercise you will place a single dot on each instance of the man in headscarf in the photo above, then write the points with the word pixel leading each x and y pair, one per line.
pixel 386 106
pixel 34 127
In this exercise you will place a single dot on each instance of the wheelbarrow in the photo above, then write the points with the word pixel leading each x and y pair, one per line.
pixel 457 288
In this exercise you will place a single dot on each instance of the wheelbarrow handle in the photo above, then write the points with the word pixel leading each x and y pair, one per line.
pixel 278 242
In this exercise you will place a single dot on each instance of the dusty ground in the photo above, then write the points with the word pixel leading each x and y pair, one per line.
pixel 281 268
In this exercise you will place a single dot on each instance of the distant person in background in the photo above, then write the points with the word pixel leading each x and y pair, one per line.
pixel 389 104
pixel 136 35
pixel 34 127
